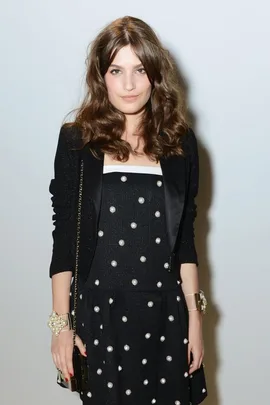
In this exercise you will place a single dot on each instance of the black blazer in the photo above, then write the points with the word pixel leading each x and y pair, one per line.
pixel 180 179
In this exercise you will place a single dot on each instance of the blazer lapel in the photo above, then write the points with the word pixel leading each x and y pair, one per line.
pixel 174 172
pixel 93 179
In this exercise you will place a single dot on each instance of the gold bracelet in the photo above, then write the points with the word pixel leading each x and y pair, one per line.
pixel 57 322
pixel 200 302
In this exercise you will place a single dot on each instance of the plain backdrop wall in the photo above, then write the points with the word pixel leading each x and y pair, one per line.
pixel 223 51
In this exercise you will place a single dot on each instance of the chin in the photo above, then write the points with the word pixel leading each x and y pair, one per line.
pixel 132 110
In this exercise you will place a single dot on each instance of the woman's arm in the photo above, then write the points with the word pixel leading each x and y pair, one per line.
pixel 60 292
pixel 188 257
pixel 64 190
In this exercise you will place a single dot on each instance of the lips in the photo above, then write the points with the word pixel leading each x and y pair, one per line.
pixel 129 98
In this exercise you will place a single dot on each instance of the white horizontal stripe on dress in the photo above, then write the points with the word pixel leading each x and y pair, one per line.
pixel 132 169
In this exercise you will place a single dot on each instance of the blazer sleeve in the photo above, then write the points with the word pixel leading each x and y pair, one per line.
pixel 63 188
pixel 187 251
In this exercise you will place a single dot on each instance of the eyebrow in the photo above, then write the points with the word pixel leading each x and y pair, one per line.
pixel 121 67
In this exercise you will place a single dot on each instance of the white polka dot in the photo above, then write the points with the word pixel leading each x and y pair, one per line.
pixel 163 380
pixel 121 242
pixel 166 265
pixel 123 178
pixel 101 326
pixel 185 341
pixel 70 293
pixel 96 342
pixel 110 300
pixel 178 298
pixel 96 309
pixel 141 200
pixel 114 263
pixel 128 392
pixel 109 348
pixel 171 318
pixel 100 233
pixel 203 390
pixel 80 296
pixel 143 259
pixel 147 335
pixel 159 183
pixel 110 384
pixel 177 403
pixel 157 214
pixel 97 282
pixel 133 225
pixel 144 361
pixel 186 374
pixel 162 338
pixel 89 394
pixel 134 281
pixel 124 318
pixel 145 382
pixel 72 312
pixel 178 281
pixel 99 371
pixel 150 303
pixel 119 368
pixel 159 284
pixel 83 324
pixel 169 358
pixel 126 347
pixel 158 240
pixel 112 209
pixel 153 401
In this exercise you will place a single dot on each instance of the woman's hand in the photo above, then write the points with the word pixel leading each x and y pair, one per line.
pixel 62 349
pixel 195 338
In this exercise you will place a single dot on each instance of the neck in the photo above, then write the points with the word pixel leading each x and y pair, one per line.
pixel 132 122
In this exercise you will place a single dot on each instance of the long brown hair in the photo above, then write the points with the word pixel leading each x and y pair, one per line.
pixel 164 119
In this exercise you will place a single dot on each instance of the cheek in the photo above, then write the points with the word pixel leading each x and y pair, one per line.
pixel 145 86
pixel 111 85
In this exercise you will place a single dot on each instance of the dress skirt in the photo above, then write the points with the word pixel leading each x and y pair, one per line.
pixel 131 312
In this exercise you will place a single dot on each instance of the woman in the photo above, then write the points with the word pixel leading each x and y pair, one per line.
pixel 138 320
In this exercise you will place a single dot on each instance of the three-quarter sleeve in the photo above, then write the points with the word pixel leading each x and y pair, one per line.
pixel 63 188
pixel 187 251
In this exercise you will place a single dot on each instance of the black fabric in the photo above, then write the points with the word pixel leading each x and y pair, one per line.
pixel 139 326
pixel 180 174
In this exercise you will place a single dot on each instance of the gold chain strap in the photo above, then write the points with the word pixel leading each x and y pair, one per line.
pixel 77 251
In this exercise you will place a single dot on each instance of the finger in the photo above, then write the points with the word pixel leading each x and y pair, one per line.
pixel 69 351
pixel 54 357
pixel 201 361
pixel 80 345
pixel 189 350
pixel 195 362
pixel 63 364
pixel 58 362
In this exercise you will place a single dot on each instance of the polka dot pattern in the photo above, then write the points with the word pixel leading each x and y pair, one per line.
pixel 132 290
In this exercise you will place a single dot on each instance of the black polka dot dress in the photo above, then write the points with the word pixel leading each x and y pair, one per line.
pixel 131 312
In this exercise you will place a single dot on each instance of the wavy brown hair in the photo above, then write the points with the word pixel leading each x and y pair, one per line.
pixel 164 118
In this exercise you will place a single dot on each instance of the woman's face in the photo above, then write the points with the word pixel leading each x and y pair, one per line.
pixel 127 83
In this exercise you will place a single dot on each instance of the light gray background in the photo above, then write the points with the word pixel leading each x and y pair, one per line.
pixel 223 51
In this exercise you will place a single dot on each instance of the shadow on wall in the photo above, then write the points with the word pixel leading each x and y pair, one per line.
pixel 202 229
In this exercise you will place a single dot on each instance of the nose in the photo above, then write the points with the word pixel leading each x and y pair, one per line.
pixel 129 82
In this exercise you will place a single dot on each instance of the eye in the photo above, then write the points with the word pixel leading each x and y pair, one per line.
pixel 114 71
pixel 141 71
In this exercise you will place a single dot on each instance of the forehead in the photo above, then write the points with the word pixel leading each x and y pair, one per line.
pixel 126 57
